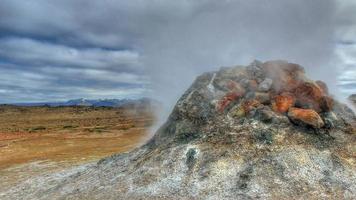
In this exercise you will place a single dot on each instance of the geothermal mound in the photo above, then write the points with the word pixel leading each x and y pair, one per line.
pixel 264 131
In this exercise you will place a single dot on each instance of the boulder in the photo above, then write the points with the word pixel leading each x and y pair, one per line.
pixel 263 97
pixel 237 111
pixel 281 103
pixel 323 86
pixel 265 85
pixel 254 70
pixel 227 100
pixel 330 120
pixel 250 95
pixel 309 95
pixel 248 84
pixel 250 105
pixel 306 116
pixel 234 86
pixel 265 114
pixel 286 76
pixel 252 85
pixel 236 91
pixel 245 82
pixel 326 104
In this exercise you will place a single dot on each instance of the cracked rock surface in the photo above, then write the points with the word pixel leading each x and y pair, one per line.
pixel 263 131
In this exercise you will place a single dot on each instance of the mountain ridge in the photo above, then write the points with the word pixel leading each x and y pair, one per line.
pixel 91 102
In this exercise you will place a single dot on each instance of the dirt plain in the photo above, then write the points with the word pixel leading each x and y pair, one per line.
pixel 37 140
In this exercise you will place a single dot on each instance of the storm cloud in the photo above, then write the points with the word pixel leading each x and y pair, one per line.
pixel 56 50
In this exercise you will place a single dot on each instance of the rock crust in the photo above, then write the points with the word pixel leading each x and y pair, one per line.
pixel 226 139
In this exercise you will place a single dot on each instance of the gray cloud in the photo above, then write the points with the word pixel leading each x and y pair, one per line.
pixel 40 53
pixel 101 47
pixel 346 49
pixel 54 84
pixel 226 33
pixel 347 77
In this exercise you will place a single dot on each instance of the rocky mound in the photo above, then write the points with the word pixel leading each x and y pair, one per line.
pixel 261 131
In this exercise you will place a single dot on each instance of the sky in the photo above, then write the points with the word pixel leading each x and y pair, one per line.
pixel 54 50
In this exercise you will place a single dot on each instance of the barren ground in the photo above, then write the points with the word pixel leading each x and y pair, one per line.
pixel 37 140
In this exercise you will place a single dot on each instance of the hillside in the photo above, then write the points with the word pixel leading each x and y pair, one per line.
pixel 352 99
pixel 262 131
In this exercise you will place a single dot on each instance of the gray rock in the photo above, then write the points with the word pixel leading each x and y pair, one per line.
pixel 244 82
pixel 256 63
pixel 330 119
pixel 263 97
pixel 265 85
pixel 250 95
pixel 265 114
pixel 254 70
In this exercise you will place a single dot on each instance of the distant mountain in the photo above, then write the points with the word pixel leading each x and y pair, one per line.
pixel 94 102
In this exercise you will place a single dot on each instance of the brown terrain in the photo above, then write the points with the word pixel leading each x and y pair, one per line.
pixel 34 140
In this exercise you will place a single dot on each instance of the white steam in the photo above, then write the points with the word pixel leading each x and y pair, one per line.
pixel 197 37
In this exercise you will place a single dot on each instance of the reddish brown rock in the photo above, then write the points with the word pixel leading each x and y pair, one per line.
pixel 250 105
pixel 306 116
pixel 283 102
pixel 309 95
pixel 232 85
pixel 252 85
pixel 323 87
pixel 286 76
pixel 326 104
pixel 309 89
pixel 235 87
pixel 289 84
pixel 227 99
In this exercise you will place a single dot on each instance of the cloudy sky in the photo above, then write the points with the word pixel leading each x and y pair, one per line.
pixel 54 50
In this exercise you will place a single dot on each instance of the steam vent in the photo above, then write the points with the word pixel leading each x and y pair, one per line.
pixel 262 131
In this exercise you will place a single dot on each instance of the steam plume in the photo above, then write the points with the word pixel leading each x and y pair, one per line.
pixel 214 33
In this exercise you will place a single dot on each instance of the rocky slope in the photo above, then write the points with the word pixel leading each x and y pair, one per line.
pixel 352 99
pixel 262 131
